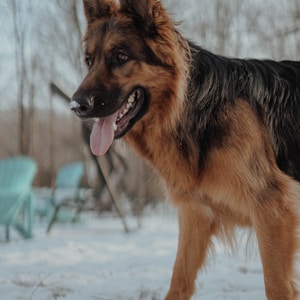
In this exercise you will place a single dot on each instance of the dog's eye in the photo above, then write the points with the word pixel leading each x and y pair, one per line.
pixel 119 57
pixel 122 57
pixel 88 61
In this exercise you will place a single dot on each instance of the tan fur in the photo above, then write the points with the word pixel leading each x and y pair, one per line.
pixel 240 182
pixel 248 191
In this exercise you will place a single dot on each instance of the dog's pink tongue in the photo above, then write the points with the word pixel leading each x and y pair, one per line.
pixel 102 135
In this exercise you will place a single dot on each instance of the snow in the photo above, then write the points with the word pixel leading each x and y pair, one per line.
pixel 95 259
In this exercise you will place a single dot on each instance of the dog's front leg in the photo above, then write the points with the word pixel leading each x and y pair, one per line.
pixel 195 230
pixel 276 229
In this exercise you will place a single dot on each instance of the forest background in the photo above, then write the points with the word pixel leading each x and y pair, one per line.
pixel 41 47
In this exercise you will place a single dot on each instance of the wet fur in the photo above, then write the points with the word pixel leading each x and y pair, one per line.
pixel 223 133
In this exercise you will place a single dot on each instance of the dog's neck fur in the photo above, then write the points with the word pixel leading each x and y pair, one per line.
pixel 172 141
pixel 212 83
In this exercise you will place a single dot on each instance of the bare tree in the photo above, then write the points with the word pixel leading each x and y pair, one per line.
pixel 26 65
pixel 20 29
pixel 61 38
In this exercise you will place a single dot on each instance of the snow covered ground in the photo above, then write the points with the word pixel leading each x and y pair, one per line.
pixel 96 260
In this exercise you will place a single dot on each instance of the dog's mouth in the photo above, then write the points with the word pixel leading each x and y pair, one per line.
pixel 116 125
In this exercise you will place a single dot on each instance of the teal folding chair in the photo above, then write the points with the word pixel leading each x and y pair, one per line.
pixel 66 190
pixel 16 196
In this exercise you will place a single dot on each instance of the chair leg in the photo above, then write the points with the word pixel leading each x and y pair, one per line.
pixel 119 213
pixel 31 214
pixel 53 218
pixel 23 231
pixel 24 223
pixel 113 196
pixel 76 214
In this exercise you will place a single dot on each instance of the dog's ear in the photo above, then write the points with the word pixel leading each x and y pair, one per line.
pixel 142 11
pixel 97 9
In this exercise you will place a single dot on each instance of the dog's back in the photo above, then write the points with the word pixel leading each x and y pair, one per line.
pixel 272 89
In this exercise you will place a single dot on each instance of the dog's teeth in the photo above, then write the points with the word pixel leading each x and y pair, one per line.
pixel 129 105
pixel 115 127
pixel 131 99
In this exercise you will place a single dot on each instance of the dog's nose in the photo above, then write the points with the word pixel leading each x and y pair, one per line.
pixel 81 104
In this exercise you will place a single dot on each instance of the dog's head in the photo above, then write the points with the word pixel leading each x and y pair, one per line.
pixel 133 67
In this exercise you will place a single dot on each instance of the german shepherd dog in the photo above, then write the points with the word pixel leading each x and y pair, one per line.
pixel 223 133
